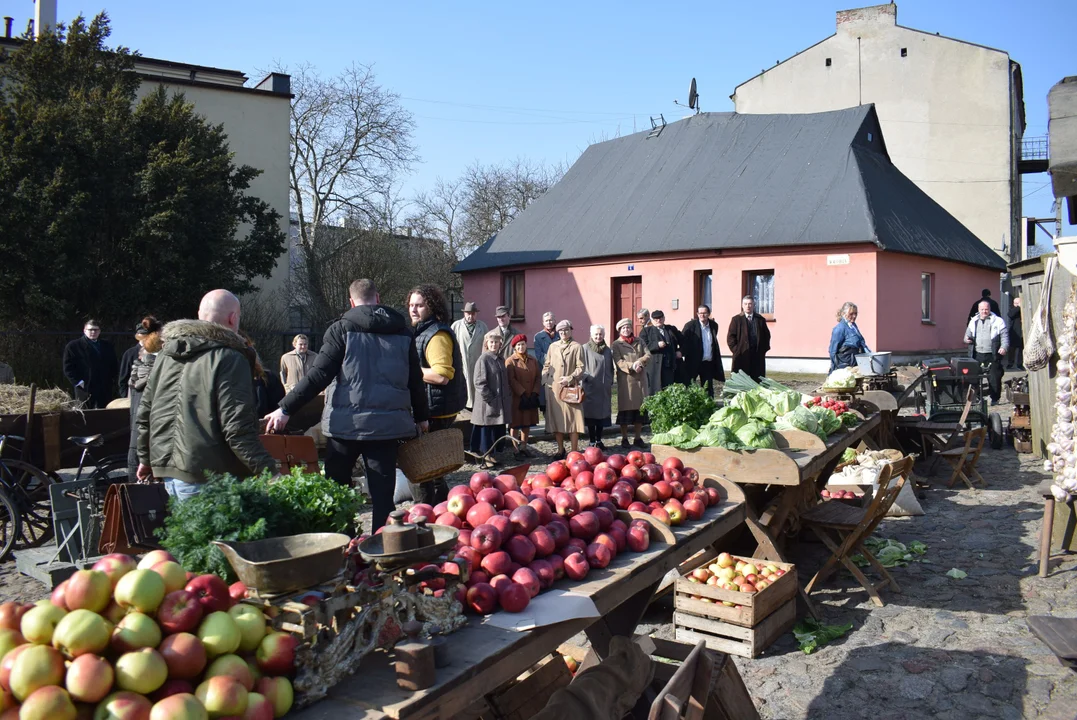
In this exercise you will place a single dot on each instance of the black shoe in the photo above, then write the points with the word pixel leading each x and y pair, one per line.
pixel 624 443
pixel 559 456
pixel 600 446
pixel 638 442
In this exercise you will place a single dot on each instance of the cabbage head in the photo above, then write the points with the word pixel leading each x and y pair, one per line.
pixel 728 417
pixel 756 435
pixel 828 421
pixel 720 436
pixel 682 437
pixel 754 405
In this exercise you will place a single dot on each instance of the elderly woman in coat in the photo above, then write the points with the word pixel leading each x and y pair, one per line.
pixel 631 359
pixel 490 411
pixel 563 368
pixel 597 385
pixel 523 374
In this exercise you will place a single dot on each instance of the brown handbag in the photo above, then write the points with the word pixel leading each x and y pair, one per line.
pixel 571 394
pixel 292 451
pixel 133 514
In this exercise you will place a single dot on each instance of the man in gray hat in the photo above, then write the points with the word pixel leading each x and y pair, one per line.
pixel 469 333
pixel 506 329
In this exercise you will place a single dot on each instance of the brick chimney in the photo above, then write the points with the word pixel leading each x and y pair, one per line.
pixel 856 20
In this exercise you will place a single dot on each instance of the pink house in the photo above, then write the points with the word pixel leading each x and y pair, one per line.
pixel 804 212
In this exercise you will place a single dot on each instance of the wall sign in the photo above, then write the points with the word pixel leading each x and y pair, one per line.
pixel 631 268
pixel 837 259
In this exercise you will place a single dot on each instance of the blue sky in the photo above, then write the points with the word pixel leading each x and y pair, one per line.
pixel 491 81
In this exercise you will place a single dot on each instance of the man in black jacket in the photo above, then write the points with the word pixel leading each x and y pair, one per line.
pixel 375 394
pixel 748 339
pixel 702 357
pixel 90 366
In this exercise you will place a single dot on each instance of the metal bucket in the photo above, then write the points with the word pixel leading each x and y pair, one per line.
pixel 873 363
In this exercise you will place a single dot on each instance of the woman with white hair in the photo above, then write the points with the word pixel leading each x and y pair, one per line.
pixel 597 385
pixel 846 341
pixel 631 358
pixel 491 410
pixel 562 370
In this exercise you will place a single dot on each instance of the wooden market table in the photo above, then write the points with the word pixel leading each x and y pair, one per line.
pixel 484 657
pixel 792 477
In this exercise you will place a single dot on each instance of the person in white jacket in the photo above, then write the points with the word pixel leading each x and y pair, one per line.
pixel 988 342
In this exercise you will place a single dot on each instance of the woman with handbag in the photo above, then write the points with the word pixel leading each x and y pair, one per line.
pixel 597 385
pixel 523 375
pixel 490 411
pixel 631 358
pixel 564 394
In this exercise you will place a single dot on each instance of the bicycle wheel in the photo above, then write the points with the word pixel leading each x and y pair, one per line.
pixel 109 471
pixel 28 490
pixel 9 525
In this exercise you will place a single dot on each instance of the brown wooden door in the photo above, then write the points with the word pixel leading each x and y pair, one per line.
pixel 627 301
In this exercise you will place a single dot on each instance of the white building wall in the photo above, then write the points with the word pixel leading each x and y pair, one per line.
pixel 945 109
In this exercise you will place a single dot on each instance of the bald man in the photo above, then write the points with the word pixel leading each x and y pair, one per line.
pixel 197 413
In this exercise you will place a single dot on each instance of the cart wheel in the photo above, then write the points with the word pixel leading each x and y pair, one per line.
pixel 994 431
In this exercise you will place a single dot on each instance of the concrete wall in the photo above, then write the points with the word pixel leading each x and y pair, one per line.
pixel 809 290
pixel 945 109
pixel 257 127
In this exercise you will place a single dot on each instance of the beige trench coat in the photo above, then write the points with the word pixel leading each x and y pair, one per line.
pixel 563 359
pixel 631 385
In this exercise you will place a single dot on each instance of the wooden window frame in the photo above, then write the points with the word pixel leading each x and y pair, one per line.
pixel 697 289
pixel 930 319
pixel 747 285
pixel 516 310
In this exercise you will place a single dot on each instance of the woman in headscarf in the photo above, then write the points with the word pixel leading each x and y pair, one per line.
pixel 523 376
pixel 846 342
pixel 631 358
pixel 563 368
pixel 148 335
pixel 490 411
pixel 597 382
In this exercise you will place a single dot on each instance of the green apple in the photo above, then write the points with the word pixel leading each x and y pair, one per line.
pixel 39 624
pixel 219 633
pixel 279 692
pixel 141 671
pixel 142 590
pixel 252 626
pixel 81 632
pixel 222 695
pixel 36 667
pixel 136 630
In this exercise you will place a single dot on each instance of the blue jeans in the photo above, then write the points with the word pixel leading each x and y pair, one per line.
pixel 181 490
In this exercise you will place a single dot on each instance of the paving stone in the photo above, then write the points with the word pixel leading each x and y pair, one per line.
pixel 955 679
pixel 915 687
pixel 903 637
pixel 1038 689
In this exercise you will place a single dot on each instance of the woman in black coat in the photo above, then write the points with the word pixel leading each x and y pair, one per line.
pixel 1016 360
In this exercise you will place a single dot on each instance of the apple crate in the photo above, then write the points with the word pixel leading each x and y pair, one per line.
pixel 747 630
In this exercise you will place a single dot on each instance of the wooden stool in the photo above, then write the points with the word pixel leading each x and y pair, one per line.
pixel 1048 525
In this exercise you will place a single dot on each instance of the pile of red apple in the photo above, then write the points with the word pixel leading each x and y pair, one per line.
pixel 142 640
pixel 520 538
pixel 735 574
pixel 839 495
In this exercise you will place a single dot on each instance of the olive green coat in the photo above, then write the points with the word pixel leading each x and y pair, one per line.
pixel 197 413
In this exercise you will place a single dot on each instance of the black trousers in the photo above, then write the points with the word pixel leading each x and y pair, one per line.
pixel 379 461
pixel 707 374
pixel 994 373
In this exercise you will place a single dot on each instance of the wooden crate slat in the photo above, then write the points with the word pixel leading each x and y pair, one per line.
pixel 528 695
pixel 733 639
pixel 754 606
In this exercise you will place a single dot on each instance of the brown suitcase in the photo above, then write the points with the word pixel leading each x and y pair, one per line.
pixel 292 451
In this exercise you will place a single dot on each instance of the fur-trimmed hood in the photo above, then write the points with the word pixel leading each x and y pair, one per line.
pixel 186 339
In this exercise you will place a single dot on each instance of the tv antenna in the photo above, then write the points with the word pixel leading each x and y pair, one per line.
pixel 693 98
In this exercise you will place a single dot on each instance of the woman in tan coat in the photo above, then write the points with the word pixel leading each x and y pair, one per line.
pixel 564 366
pixel 630 357
pixel 523 373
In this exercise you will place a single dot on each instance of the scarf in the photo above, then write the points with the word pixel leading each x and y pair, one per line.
pixel 521 356
pixel 597 348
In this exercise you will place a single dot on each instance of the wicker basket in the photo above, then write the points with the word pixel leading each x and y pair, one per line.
pixel 431 455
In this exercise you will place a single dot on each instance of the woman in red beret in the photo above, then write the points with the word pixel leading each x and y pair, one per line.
pixel 523 372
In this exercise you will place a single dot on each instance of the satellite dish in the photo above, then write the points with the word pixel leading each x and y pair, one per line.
pixel 693 96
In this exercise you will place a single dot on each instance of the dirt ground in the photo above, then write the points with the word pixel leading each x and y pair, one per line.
pixel 941 648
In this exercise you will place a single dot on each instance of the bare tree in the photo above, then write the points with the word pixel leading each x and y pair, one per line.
pixel 350 138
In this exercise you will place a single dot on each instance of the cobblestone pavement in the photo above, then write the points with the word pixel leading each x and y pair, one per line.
pixel 942 648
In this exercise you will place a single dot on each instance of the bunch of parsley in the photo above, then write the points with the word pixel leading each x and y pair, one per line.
pixel 678 405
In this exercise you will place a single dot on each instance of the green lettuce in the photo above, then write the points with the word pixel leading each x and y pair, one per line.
pixel 754 405
pixel 828 421
pixel 799 418
pixel 756 435
pixel 720 436
pixel 682 437
pixel 848 419
pixel 812 634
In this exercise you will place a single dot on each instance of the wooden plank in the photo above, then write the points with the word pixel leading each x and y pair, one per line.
pixel 798 440
pixel 1058 634
pixel 529 694
pixel 748 467
pixel 734 640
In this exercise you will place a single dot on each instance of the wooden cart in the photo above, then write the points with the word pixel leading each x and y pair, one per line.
pixel 48 448
pixel 483 657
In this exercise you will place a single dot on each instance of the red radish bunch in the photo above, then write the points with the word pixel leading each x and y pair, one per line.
pixel 837 406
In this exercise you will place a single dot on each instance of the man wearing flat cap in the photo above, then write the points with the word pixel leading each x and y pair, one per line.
pixel 469 333
pixel 506 329
pixel 663 342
